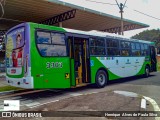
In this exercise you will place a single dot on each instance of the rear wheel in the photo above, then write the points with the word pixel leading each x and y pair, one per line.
pixel 101 78
pixel 147 72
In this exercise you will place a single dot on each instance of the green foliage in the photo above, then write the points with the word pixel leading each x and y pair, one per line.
pixel 149 35
pixel 8 88
pixel 158 65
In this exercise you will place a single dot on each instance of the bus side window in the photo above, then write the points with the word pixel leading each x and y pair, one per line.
pixel 125 48
pixel 144 49
pixel 51 44
pixel 92 51
pixel 97 46
pixel 112 47
pixel 135 48
pixel 125 52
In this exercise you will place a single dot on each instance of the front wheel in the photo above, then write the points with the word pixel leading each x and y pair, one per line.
pixel 101 79
pixel 147 72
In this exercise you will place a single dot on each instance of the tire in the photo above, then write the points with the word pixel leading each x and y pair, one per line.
pixel 147 72
pixel 101 79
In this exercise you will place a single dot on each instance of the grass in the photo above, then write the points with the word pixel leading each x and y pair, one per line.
pixel 8 88
pixel 158 65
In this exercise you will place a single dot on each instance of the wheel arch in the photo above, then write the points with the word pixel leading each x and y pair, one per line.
pixel 147 65
pixel 104 69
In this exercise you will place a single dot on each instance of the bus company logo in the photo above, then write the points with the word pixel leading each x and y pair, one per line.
pixel 110 58
pixel 147 58
pixel 13 70
pixel 67 75
pixel 92 63
pixel 11 105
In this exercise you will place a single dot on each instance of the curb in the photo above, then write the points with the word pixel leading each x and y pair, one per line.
pixel 144 100
pixel 143 103
pixel 7 92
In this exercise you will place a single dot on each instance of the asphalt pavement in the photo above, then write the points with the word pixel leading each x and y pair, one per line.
pixel 105 99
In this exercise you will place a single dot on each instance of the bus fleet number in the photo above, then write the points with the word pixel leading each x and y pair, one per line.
pixel 54 65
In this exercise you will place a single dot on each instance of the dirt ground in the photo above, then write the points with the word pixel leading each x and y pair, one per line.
pixel 97 102
pixel 103 101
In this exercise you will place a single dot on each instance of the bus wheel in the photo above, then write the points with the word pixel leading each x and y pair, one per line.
pixel 101 78
pixel 146 74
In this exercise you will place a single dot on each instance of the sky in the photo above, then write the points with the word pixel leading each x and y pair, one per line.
pixel 150 7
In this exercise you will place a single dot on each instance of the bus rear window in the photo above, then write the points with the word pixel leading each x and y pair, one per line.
pixel 15 38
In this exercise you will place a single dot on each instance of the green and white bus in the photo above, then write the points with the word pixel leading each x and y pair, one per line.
pixel 41 56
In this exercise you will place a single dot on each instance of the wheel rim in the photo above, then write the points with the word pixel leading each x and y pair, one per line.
pixel 101 79
pixel 147 72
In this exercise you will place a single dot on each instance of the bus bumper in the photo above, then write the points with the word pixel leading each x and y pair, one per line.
pixel 25 82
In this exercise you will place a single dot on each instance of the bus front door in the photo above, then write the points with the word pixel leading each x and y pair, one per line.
pixel 80 54
pixel 153 58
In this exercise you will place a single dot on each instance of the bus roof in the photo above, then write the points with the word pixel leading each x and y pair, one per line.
pixel 105 34
pixel 88 33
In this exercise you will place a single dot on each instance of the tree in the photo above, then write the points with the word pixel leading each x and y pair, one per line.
pixel 149 35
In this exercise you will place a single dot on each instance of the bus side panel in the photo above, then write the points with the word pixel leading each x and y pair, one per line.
pixel 48 72
pixel 96 65
pixel 73 82
pixel 56 71
pixel 146 62
pixel 117 71
pixel 35 60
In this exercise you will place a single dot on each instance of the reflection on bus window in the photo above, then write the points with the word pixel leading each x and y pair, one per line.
pixel 125 48
pixel 51 44
pixel 97 46
pixel 97 42
pixel 125 44
pixel 112 43
pixel 113 51
pixel 112 47
pixel 52 50
pixel 58 38
pixel 43 37
pixel 97 50
pixel 125 52
pixel 144 50
pixel 136 51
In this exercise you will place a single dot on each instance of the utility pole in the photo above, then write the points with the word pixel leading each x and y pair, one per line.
pixel 121 7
